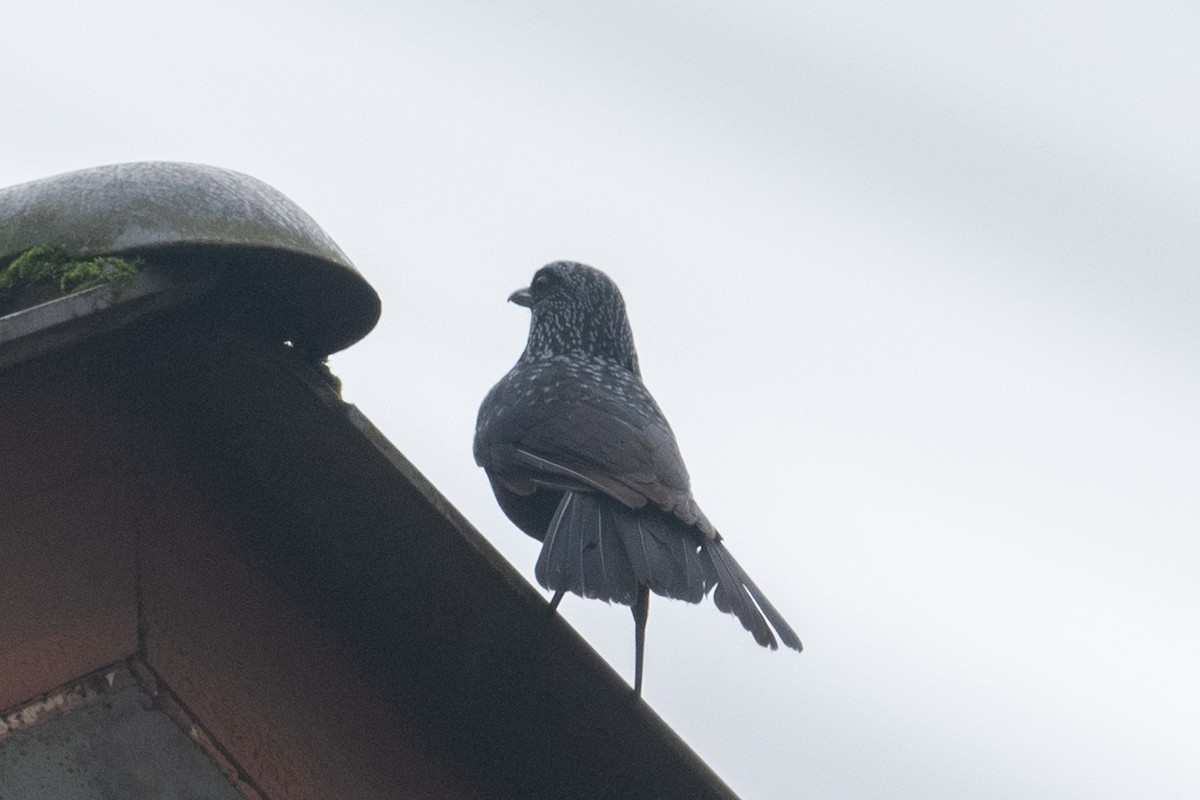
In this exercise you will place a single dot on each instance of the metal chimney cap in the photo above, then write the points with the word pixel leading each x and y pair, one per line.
pixel 215 218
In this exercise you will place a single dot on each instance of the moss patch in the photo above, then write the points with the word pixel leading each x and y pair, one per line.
pixel 43 273
pixel 321 365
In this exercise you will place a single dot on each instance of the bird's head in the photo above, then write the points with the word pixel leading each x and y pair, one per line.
pixel 576 310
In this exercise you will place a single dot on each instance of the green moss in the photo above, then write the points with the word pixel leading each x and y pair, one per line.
pixel 51 270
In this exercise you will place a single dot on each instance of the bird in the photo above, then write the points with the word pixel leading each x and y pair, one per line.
pixel 581 458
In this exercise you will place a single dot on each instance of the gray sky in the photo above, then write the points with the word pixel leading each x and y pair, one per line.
pixel 917 285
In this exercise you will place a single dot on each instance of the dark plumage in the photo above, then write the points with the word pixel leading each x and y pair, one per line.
pixel 581 458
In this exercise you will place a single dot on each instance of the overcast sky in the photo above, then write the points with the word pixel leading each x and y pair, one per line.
pixel 918 286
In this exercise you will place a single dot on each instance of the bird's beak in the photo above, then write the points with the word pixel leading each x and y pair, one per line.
pixel 521 297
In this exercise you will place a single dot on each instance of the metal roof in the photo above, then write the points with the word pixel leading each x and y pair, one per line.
pixel 327 503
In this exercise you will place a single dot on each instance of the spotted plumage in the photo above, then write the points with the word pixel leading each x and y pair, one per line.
pixel 581 458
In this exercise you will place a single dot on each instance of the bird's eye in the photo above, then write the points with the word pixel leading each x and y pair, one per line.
pixel 542 281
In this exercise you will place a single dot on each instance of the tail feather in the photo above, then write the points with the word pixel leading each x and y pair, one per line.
pixel 551 564
pixel 786 634
pixel 695 579
pixel 583 551
pixel 664 558
pixel 597 547
pixel 650 561
pixel 737 594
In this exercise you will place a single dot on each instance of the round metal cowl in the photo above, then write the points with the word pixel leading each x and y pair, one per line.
pixel 191 217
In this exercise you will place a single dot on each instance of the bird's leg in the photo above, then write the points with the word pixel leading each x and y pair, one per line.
pixel 558 596
pixel 641 610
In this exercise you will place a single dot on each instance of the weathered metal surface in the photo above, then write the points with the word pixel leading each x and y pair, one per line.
pixel 220 218
pixel 64 699
pixel 48 326
pixel 121 746
pixel 125 207
pixel 176 491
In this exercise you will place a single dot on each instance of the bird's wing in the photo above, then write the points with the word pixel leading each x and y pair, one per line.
pixel 605 444
pixel 600 435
